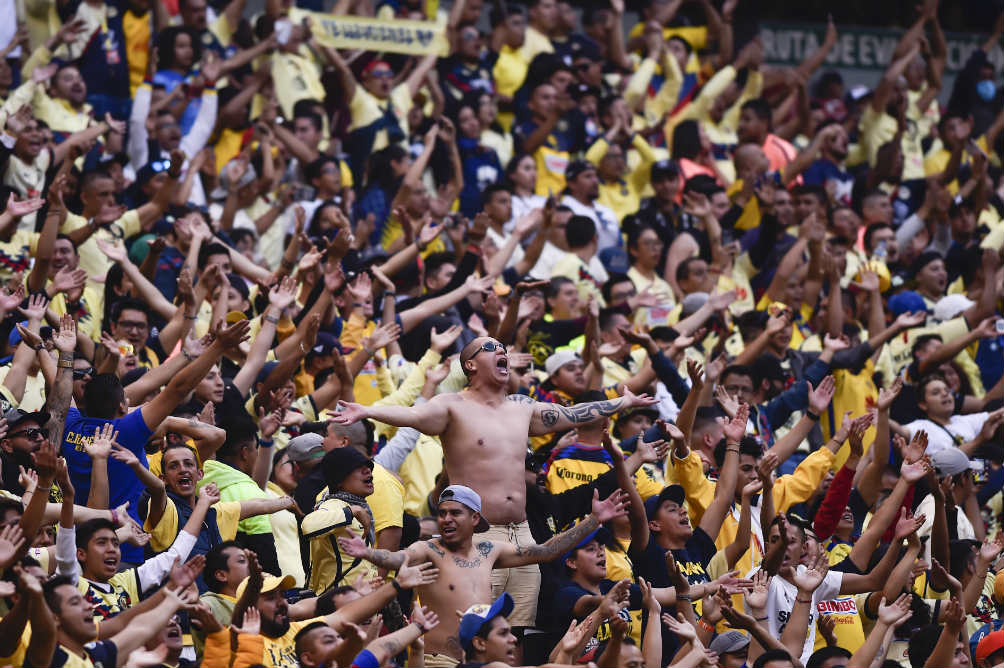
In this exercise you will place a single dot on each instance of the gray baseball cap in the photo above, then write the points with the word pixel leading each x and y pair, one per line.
pixel 306 447
pixel 730 641
pixel 468 497
pixel 949 461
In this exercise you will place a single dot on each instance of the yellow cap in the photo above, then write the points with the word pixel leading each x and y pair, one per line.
pixel 270 582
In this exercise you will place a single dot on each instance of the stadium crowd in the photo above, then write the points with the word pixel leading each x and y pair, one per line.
pixel 595 340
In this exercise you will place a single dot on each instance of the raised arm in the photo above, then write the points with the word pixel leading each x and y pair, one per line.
pixel 164 403
pixel 734 431
pixel 432 417
pixel 548 418
pixel 603 511
pixel 154 485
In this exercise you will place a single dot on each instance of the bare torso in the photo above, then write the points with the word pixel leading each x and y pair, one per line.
pixel 464 580
pixel 485 448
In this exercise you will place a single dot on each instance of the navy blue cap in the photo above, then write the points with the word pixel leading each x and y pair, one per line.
pixel 480 614
pixel 674 493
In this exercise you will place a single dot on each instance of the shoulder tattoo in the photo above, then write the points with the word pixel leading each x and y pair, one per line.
pixel 485 548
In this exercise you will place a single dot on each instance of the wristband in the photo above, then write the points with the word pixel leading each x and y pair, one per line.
pixel 115 516
pixel 812 416
pixel 761 619
pixel 798 600
pixel 63 364
pixel 683 597
pixel 704 625
pixel 188 356
pixel 303 348
pixel 397 586
pixel 66 357
pixel 271 318
pixel 192 317
pixel 263 443
pixel 389 293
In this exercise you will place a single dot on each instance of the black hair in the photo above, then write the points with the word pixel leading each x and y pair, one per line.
pixel 922 341
pixel 216 560
pixel 165 45
pixel 772 655
pixel 103 396
pixel 686 140
pixel 683 269
pixel 737 370
pixel 606 320
pixel 49 591
pixel 747 446
pixel 580 232
pixel 824 654
pixel 129 304
pixel 86 530
pixel 435 261
pixel 766 367
pixel 925 381
pixel 240 434
pixel 208 251
pixel 312 170
pixel 380 173
pixel 315 118
pixel 490 190
pixel 922 643
pixel 814 189
pixel 871 230
pixel 759 106
pixel 10 504
pixel 615 279
pixel 555 284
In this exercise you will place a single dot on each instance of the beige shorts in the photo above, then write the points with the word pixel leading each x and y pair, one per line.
pixel 440 661
pixel 522 582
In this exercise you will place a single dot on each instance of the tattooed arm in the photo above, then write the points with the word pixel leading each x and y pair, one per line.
pixel 354 546
pixel 520 555
pixel 548 418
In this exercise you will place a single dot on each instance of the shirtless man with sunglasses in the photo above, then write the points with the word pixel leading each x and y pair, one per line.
pixel 484 434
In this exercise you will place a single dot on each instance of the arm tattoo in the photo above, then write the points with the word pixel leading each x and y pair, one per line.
pixel 579 413
pixel 386 559
pixel 58 404
pixel 559 544
pixel 432 546
pixel 391 646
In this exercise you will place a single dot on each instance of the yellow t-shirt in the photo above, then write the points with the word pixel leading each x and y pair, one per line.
pixel 936 161
pixel 578 465
pixel 573 268
pixel 121 592
pixel 228 514
pixel 534 43
pixel 879 127
pixel 92 260
pixel 89 321
pixel 847 628
pixel 281 652
pixel 896 354
pixel 15 255
pixel 618 563
pixel 296 78
pixel 137 36
pixel 328 564
pixel 367 108
pixel 418 474
pixel 853 390
pixel 510 71
pixel 387 499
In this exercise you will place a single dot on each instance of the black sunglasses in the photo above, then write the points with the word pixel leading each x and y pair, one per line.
pixel 487 347
pixel 30 434
pixel 80 374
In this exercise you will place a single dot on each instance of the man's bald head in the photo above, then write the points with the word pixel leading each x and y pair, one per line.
pixel 750 161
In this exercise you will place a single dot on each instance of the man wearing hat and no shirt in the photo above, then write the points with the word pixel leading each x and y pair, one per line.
pixel 465 565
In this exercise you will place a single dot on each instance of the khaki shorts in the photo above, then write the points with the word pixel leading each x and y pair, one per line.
pixel 440 661
pixel 522 582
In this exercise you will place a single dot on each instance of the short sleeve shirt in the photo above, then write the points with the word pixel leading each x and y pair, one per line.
pixel 781 600
pixel 228 514
pixel 960 429
pixel 92 260
pixel 100 654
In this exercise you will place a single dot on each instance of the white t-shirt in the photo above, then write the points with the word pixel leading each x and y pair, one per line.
pixel 781 601
pixel 963 427
pixel 608 230
pixel 500 240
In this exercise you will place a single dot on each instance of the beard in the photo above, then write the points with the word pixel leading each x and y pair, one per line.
pixel 271 629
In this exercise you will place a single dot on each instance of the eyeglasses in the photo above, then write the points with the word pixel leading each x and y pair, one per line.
pixel 487 347
pixel 32 434
pixel 80 374
pixel 132 324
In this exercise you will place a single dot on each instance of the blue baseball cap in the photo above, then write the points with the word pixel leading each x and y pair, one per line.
pixel 907 301
pixel 983 632
pixel 674 493
pixel 466 497
pixel 480 614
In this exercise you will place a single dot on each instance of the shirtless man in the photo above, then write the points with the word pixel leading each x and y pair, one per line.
pixel 484 433
pixel 465 566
